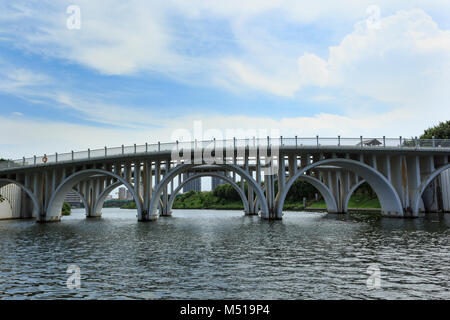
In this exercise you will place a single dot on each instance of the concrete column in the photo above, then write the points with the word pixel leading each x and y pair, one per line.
pixel 94 191
pixel 146 184
pixel 137 180
pixel 281 173
pixel 127 172
pixel 250 199
pixel 413 172
pixel 399 178
pixel 47 187
pixel 292 162
pixel 430 194
pixel 258 168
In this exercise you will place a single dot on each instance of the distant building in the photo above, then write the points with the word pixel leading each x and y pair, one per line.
pixel 129 195
pixel 122 193
pixel 194 185
pixel 73 198
pixel 215 181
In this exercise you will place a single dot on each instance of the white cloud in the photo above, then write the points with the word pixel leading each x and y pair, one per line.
pixel 16 79
pixel 313 70
pixel 114 38
pixel 38 137
pixel 404 63
pixel 278 84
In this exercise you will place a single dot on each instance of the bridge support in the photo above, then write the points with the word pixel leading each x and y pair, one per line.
pixel 402 177
pixel 144 216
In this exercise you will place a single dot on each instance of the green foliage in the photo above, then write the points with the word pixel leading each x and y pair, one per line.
pixel 226 192
pixel 208 200
pixel 365 189
pixel 299 190
pixel 116 203
pixel 363 201
pixel 129 205
pixel 2 198
pixel 357 201
pixel 66 209
pixel 441 131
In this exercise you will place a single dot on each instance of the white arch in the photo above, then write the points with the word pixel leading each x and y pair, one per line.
pixel 83 199
pixel 418 194
pixel 37 206
pixel 389 199
pixel 323 190
pixel 57 198
pixel 102 197
pixel 185 167
pixel 349 194
pixel 209 174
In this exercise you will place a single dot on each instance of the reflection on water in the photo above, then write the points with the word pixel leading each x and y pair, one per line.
pixel 207 254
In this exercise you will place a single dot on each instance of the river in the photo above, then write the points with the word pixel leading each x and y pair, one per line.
pixel 209 254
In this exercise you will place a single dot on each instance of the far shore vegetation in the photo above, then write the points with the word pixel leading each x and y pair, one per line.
pixel 225 197
pixel 66 209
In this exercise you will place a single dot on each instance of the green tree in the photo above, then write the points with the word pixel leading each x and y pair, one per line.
pixel 66 209
pixel 2 198
pixel 226 192
pixel 299 190
pixel 440 131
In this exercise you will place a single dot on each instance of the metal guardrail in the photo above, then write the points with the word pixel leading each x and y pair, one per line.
pixel 296 142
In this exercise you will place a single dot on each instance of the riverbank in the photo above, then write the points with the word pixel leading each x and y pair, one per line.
pixel 201 200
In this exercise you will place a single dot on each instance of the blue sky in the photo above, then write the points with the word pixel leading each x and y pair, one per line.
pixel 137 71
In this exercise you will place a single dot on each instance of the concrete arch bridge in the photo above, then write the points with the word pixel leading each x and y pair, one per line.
pixel 402 172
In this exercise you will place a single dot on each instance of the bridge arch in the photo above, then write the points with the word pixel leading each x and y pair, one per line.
pixel 209 174
pixel 83 199
pixel 37 206
pixel 350 193
pixel 98 205
pixel 181 168
pixel 326 193
pixel 103 195
pixel 418 194
pixel 388 197
pixel 57 198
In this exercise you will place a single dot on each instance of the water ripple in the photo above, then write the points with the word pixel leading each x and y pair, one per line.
pixel 224 255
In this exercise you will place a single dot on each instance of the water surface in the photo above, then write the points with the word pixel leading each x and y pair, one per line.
pixel 208 254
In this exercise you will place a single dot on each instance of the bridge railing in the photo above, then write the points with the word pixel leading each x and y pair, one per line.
pixel 297 142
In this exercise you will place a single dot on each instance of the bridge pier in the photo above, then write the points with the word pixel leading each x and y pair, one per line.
pixel 94 215
pixel 145 216
pixel 44 219
pixel 401 174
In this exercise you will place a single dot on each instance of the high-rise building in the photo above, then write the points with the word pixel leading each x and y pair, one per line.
pixel 122 193
pixel 215 181
pixel 194 185
pixel 73 198
pixel 129 195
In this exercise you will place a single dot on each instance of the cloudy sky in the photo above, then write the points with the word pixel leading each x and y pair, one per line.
pixel 136 71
